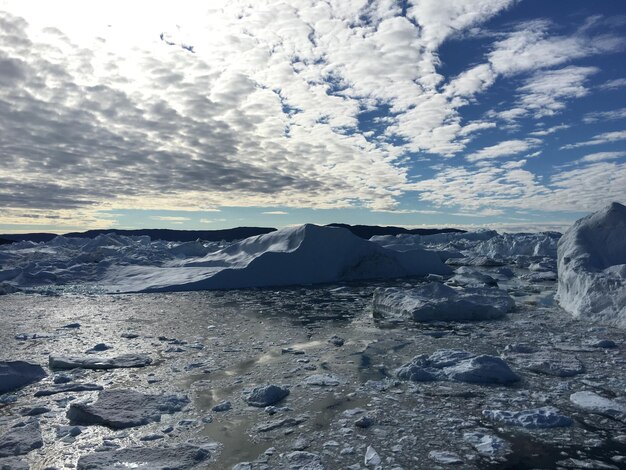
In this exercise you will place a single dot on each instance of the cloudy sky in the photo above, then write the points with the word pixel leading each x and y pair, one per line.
pixel 425 112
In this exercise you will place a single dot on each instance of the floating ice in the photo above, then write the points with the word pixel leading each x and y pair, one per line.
pixel 458 366
pixel 180 457
pixel 592 267
pixel 266 395
pixel 438 302
pixel 21 439
pixel 95 362
pixel 594 403
pixel 119 409
pixel 546 417
pixel 18 374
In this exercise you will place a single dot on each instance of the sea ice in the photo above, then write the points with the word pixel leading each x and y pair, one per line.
pixel 181 457
pixel 21 439
pixel 546 417
pixel 120 408
pixel 594 403
pixel 438 302
pixel 266 395
pixel 592 267
pixel 487 444
pixel 458 366
pixel 95 362
pixel 18 374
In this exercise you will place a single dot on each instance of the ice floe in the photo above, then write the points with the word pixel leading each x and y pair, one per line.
pixel 18 374
pixel 438 302
pixel 21 439
pixel 95 362
pixel 592 267
pixel 121 408
pixel 458 366
pixel 181 457
pixel 546 417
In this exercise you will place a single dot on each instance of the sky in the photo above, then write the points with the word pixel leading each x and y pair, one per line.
pixel 206 115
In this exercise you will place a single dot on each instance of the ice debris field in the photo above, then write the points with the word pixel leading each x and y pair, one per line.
pixel 309 347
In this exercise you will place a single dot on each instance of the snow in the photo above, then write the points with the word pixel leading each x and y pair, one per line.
pixel 438 302
pixel 592 267
pixel 306 254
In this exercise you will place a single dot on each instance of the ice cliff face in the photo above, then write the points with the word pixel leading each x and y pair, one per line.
pixel 592 267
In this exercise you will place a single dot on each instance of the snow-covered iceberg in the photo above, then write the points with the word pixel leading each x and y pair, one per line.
pixel 307 254
pixel 592 267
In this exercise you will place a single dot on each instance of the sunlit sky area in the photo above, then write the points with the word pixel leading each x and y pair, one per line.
pixel 206 115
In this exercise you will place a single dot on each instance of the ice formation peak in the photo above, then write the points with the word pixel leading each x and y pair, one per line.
pixel 592 266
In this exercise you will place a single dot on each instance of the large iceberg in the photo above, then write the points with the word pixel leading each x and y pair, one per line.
pixel 592 267
pixel 307 254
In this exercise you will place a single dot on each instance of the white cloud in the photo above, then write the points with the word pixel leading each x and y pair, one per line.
pixel 604 138
pixel 275 213
pixel 602 156
pixel 503 149
pixel 614 84
pixel 98 113
pixel 167 218
pixel 550 130
pixel 605 115
pixel 499 188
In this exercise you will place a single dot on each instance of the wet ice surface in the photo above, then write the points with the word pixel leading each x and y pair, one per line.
pixel 344 399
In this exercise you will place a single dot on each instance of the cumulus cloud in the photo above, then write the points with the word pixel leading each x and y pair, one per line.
pixel 153 106
pixel 503 188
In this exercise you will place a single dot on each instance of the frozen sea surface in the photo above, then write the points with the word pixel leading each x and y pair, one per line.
pixel 215 347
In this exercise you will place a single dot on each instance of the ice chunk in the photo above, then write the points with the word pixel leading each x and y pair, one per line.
pixel 445 457
pixel 457 365
pixel 95 362
pixel 18 374
pixel 21 439
pixel 266 395
pixel 547 362
pixel 546 417
pixel 592 267
pixel 372 458
pixel 467 277
pixel 122 408
pixel 180 457
pixel 487 444
pixel 594 403
pixel 438 302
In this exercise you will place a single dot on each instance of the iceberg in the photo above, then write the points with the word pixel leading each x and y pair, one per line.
pixel 438 302
pixel 592 267
pixel 307 254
